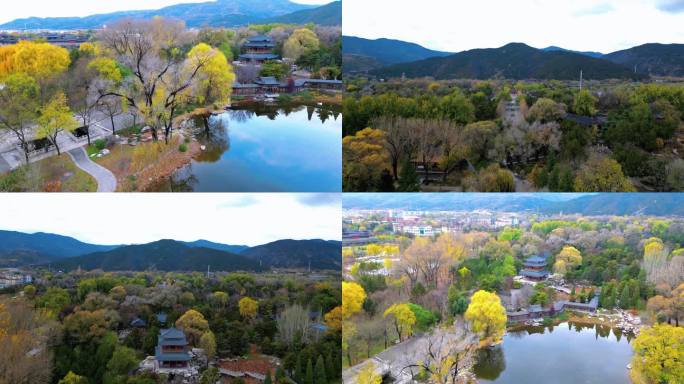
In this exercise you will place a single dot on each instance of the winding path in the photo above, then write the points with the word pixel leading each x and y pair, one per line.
pixel 106 182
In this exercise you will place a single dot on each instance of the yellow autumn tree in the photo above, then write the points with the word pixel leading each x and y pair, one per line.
pixel 208 343
pixel 248 307
pixel 367 375
pixel 655 259
pixel 55 118
pixel 487 315
pixel 404 319
pixel 36 59
pixel 215 78
pixel 193 324
pixel 569 257
pixel 364 159
pixel 658 353
pixel 300 42
pixel 353 296
pixel 373 249
pixel 107 68
pixel 333 319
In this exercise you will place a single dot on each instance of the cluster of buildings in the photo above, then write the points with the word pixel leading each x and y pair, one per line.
pixel 62 39
pixel 430 223
pixel 260 49
pixel 11 277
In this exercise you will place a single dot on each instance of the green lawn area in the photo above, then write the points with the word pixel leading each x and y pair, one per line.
pixel 54 174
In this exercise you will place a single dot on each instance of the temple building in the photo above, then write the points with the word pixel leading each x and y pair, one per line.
pixel 258 49
pixel 535 268
pixel 172 349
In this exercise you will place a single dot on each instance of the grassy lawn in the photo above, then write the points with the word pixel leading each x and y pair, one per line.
pixel 54 174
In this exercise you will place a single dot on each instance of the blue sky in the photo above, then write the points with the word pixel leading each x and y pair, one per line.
pixel 454 26
pixel 63 8
pixel 228 218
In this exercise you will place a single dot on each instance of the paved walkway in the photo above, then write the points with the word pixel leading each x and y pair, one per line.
pixel 393 360
pixel 106 182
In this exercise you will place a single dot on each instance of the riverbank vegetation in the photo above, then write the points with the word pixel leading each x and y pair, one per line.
pixel 500 136
pixel 94 327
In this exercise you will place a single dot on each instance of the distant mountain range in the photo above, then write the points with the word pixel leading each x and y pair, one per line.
pixel 362 55
pixel 394 58
pixel 553 48
pixel 652 59
pixel 512 61
pixel 320 254
pixel 657 204
pixel 23 248
pixel 62 252
pixel 163 255
pixel 219 13
pixel 329 14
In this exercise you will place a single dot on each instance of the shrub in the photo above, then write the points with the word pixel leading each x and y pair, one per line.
pixel 100 144
pixel 183 147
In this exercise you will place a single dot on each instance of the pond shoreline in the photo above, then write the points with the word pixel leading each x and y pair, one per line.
pixel 557 348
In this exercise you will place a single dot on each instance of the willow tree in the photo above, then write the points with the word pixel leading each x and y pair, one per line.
pixel 19 107
pixel 36 59
pixel 487 315
pixel 56 117
pixel 300 42
pixel 164 72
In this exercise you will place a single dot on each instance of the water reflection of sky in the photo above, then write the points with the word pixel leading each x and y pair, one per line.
pixel 563 355
pixel 275 152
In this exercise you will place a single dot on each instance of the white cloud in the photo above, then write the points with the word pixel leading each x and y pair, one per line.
pixel 235 218
pixel 596 25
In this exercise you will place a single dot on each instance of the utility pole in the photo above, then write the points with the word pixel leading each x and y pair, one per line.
pixel 581 80
pixel 208 271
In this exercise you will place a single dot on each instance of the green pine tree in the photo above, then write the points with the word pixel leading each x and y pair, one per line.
pixel 298 374
pixel 625 298
pixel 636 294
pixel 329 367
pixel 279 375
pixel 309 377
pixel 408 177
pixel 320 375
pixel 613 298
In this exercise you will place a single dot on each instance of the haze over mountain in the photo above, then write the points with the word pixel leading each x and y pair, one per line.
pixel 361 54
pixel 47 244
pixel 218 246
pixel 322 254
pixel 512 61
pixel 219 13
pixel 21 249
pixel 652 59
pixel 554 48
pixel 162 255
pixel 657 204
pixel 329 14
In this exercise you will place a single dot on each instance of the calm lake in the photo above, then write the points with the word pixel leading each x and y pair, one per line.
pixel 564 354
pixel 267 149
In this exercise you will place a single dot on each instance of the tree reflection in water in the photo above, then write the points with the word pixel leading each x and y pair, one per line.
pixel 491 363
pixel 237 139
pixel 216 139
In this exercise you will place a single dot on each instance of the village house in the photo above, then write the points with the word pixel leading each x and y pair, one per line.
pixel 265 85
